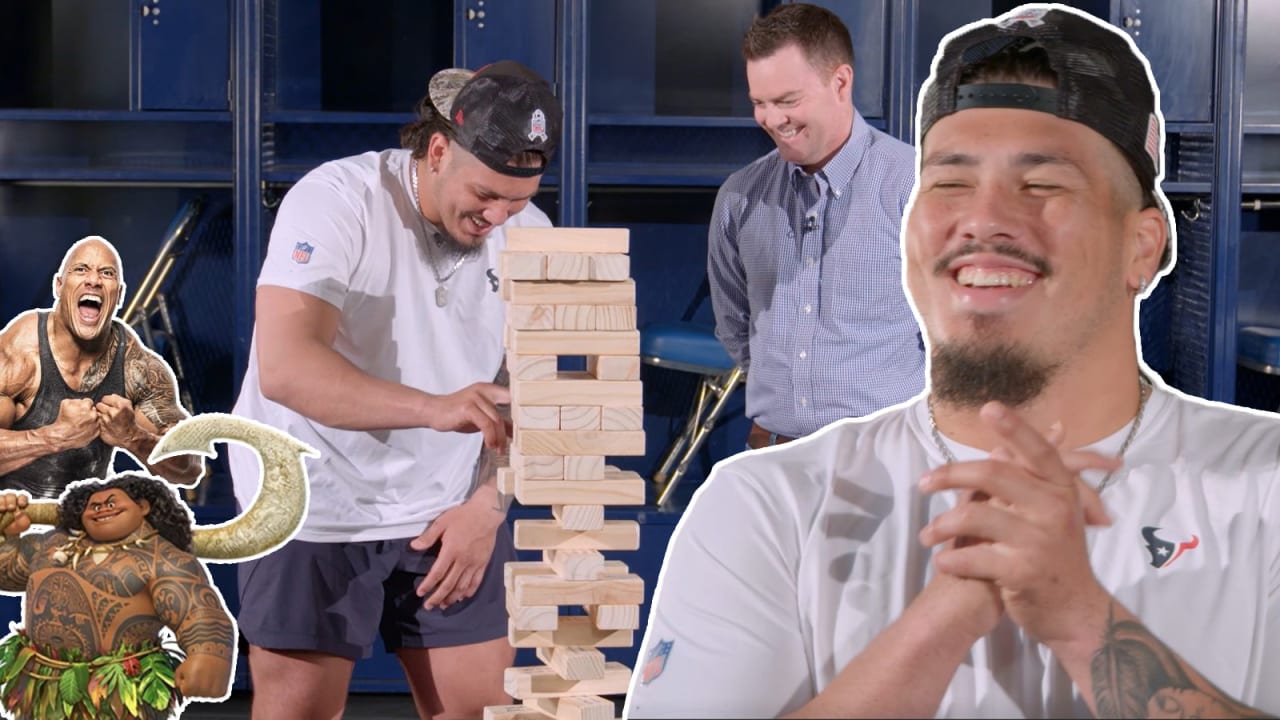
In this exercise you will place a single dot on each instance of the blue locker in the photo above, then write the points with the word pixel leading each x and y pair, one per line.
pixel 521 30
pixel 1177 36
pixel 181 55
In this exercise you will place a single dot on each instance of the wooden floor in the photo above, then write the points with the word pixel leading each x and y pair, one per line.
pixel 359 707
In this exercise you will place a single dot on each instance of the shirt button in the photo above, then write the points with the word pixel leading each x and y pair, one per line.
pixel 810 261
pixel 803 354
pixel 804 402
pixel 808 309
pixel 837 192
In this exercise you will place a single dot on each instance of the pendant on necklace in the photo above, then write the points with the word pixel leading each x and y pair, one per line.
pixel 442 296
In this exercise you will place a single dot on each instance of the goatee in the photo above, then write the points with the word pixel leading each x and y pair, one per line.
pixel 968 375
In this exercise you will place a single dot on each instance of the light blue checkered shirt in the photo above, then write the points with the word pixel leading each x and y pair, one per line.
pixel 807 284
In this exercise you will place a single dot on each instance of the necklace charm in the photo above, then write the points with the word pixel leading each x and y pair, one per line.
pixel 442 296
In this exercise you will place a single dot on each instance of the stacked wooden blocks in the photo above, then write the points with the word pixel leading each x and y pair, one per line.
pixel 569 293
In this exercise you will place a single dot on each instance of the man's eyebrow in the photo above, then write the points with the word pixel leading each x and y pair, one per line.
pixel 483 191
pixel 788 95
pixel 949 159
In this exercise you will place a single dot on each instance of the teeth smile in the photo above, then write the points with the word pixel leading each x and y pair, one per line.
pixel 788 133
pixel 983 277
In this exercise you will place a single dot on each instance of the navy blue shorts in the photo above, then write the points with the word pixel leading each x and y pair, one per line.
pixel 331 597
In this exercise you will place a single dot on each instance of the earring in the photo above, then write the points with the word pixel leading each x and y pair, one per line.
pixel 1142 284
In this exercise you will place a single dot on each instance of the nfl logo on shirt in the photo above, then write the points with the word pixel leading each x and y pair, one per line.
pixel 657 661
pixel 302 253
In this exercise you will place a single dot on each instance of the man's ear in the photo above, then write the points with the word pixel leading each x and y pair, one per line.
pixel 145 505
pixel 1150 237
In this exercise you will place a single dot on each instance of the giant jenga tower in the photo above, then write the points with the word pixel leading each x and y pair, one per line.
pixel 569 293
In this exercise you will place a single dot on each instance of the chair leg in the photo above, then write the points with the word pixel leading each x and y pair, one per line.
pixel 672 455
pixel 722 388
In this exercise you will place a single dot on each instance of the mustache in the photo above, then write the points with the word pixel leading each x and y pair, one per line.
pixel 1011 251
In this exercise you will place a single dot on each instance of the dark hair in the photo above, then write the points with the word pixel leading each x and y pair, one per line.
pixel 416 135
pixel 1031 66
pixel 817 31
pixel 169 516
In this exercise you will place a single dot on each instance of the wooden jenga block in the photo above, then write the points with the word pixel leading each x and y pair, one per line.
pixel 507 480
pixel 512 712
pixel 522 266
pixel 579 630
pixel 575 388
pixel 537 568
pixel 530 682
pixel 582 707
pixel 562 239
pixel 573 663
pixel 531 367
pixel 614 367
pixel 532 317
pixel 537 417
pixel 526 292
pixel 610 267
pixel 580 417
pixel 615 317
pixel 568 266
pixel 536 467
pixel 629 491
pixel 578 517
pixel 532 617
pixel 580 442
pixel 575 317
pixel 574 342
pixel 622 418
pixel 574 564
pixel 531 590
pixel 550 535
pixel 614 617
pixel 583 467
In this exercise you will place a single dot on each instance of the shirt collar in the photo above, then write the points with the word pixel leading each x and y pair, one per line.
pixel 838 172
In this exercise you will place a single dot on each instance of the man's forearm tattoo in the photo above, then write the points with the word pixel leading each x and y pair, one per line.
pixel 1135 675
pixel 149 384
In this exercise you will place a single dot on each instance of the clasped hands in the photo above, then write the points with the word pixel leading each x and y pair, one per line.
pixel 1016 543
pixel 80 420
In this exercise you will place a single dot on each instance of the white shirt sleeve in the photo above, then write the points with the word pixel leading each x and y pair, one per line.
pixel 725 637
pixel 1268 694
pixel 317 239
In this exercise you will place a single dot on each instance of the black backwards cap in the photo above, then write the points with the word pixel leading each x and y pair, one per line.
pixel 498 112
pixel 1104 82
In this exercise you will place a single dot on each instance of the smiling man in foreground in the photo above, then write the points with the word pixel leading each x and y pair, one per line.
pixel 76 384
pixel 1048 531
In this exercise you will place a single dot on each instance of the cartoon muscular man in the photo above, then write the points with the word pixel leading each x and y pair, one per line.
pixel 76 384
pixel 100 588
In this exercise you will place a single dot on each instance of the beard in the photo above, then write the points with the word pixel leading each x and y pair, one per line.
pixel 970 374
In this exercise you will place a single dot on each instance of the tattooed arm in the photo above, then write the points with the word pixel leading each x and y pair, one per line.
pixel 135 423
pixel 1128 672
pixel 190 605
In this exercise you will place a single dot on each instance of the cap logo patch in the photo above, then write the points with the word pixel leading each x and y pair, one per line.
pixel 457 117
pixel 538 126
pixel 1152 145
pixel 1031 17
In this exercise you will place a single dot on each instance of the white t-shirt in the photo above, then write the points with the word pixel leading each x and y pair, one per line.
pixel 349 234
pixel 791 560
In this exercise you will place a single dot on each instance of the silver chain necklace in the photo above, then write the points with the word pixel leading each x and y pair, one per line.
pixel 442 290
pixel 1144 391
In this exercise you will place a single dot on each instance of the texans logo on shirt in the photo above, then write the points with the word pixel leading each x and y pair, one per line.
pixel 1163 552
pixel 657 661
pixel 493 280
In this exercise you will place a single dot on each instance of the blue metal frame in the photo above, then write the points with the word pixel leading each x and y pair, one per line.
pixel 247 126
pixel 571 76
pixel 902 69
pixel 1228 127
